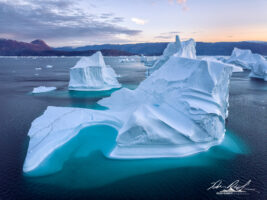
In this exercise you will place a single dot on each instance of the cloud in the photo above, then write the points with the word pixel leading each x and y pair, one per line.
pixel 57 20
pixel 139 21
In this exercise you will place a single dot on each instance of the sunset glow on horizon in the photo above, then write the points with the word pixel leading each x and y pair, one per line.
pixel 75 23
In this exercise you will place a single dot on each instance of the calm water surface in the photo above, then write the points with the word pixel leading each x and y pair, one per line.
pixel 242 155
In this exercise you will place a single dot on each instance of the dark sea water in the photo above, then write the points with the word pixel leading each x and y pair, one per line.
pixel 242 156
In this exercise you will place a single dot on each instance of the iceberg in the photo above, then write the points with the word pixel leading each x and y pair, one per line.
pixel 180 49
pixel 259 70
pixel 244 58
pixel 92 74
pixel 215 59
pixel 177 111
pixel 43 89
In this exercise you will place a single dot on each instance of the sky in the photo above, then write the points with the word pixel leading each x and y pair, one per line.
pixel 86 22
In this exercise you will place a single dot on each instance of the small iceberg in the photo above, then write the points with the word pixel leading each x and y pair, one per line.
pixel 184 49
pixel 43 89
pixel 49 66
pixel 38 68
pixel 92 74
pixel 244 58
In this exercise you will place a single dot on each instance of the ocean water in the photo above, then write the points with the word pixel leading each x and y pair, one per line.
pixel 89 174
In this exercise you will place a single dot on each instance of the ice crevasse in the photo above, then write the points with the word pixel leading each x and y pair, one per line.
pixel 92 74
pixel 177 111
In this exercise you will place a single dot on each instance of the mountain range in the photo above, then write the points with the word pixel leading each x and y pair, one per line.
pixel 40 48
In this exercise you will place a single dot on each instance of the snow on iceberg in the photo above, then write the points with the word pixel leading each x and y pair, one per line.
pixel 244 58
pixel 179 110
pixel 92 74
pixel 259 70
pixel 180 49
pixel 43 89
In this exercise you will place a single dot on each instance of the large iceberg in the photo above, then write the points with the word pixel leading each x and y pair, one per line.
pixel 179 110
pixel 244 58
pixel 92 74
pixel 185 49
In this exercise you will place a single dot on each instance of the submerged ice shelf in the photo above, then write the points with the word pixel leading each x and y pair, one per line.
pixel 92 74
pixel 95 170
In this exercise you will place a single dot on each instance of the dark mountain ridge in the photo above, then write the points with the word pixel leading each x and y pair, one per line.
pixel 40 48
pixel 202 48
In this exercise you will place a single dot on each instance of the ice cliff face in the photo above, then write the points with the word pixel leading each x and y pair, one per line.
pixel 177 111
pixel 92 74
pixel 185 49
pixel 244 58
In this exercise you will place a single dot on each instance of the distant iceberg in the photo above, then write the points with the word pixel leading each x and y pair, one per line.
pixel 49 66
pixel 43 89
pixel 259 70
pixel 127 60
pixel 215 59
pixel 92 74
pixel 184 49
pixel 179 110
pixel 244 58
